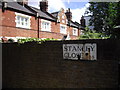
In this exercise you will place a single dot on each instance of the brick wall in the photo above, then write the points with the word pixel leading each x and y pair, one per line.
pixel 33 65
pixel 55 27
pixel 19 32
pixel 8 18
pixel 9 28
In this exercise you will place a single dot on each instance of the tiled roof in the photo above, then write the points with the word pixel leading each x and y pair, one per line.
pixel 43 14
pixel 55 14
pixel 18 7
pixel 32 10
pixel 71 23
pixel 81 27
pixel 0 4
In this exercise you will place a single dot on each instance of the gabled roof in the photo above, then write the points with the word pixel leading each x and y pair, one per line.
pixel 70 23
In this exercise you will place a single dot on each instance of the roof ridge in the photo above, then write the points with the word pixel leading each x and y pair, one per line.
pixel 50 15
pixel 33 7
pixel 55 12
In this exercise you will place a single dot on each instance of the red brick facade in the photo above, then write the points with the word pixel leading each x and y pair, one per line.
pixel 9 28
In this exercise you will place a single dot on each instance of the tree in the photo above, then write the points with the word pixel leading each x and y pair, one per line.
pixel 104 16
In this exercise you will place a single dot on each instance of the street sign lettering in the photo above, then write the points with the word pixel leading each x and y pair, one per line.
pixel 80 51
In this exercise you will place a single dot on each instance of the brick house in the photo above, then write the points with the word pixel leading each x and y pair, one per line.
pixel 19 20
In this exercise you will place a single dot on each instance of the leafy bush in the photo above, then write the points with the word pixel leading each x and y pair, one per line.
pixel 94 36
pixel 91 34
pixel 37 40
pixel 10 40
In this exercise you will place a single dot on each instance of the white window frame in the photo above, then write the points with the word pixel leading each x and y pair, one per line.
pixel 66 21
pixel 63 31
pixel 63 16
pixel 75 31
pixel 43 28
pixel 20 24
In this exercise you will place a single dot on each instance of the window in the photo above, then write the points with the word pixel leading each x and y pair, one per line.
pixel 63 21
pixel 45 25
pixel 63 29
pixel 22 20
pixel 75 32
pixel 63 16
pixel 58 20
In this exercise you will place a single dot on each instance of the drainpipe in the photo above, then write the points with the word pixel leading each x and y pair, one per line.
pixel 78 31
pixel 37 16
pixel 38 27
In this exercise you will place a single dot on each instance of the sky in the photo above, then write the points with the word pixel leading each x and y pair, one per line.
pixel 77 7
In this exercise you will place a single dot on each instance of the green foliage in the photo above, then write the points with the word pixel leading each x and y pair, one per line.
pixel 10 40
pixel 37 40
pixel 105 16
pixel 90 34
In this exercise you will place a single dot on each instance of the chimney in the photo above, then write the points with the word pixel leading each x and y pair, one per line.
pixel 82 21
pixel 23 2
pixel 44 5
pixel 69 14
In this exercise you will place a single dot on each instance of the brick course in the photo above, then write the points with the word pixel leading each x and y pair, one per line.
pixel 42 66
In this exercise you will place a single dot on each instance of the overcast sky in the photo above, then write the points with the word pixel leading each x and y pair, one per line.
pixel 77 7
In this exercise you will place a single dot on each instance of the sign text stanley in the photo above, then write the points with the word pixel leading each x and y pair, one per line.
pixel 80 51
